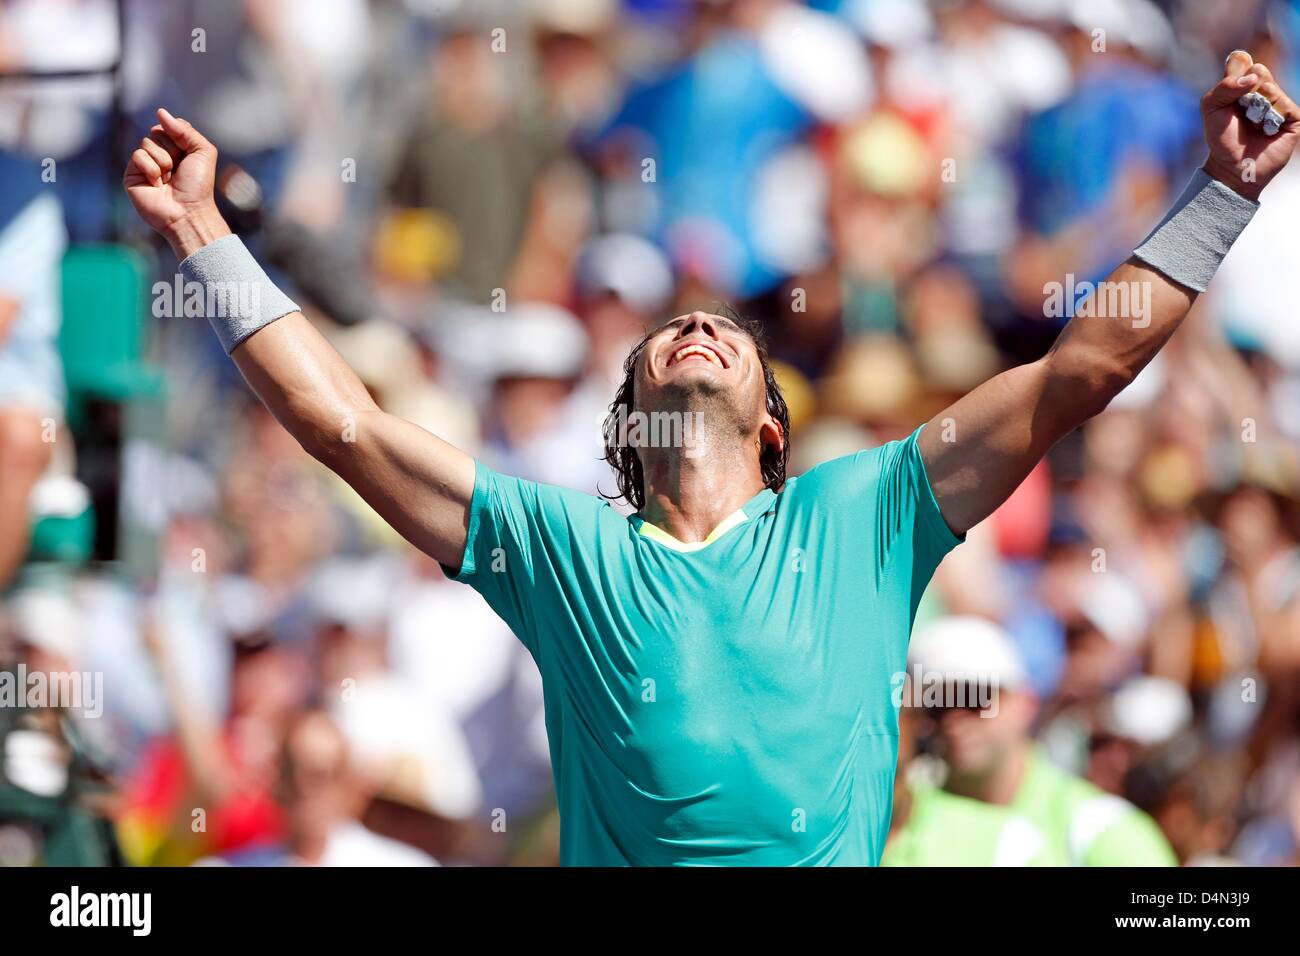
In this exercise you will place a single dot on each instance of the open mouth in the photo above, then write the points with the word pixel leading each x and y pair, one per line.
pixel 698 351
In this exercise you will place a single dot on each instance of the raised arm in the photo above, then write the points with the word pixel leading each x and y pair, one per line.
pixel 978 451
pixel 419 483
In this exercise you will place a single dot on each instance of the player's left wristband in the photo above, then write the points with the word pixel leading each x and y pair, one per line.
pixel 239 298
pixel 1197 232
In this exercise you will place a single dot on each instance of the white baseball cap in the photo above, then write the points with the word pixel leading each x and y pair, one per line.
pixel 1148 710
pixel 967 648
pixel 531 339
pixel 1139 24
pixel 631 267
pixel 891 23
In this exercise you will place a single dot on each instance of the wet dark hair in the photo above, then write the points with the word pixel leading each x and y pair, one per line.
pixel 626 462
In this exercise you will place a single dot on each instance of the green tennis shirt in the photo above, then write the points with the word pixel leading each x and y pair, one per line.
pixel 727 702
pixel 1085 825
pixel 943 829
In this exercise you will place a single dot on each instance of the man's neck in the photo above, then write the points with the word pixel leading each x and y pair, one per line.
pixel 688 495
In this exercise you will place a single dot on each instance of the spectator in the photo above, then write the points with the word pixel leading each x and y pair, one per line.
pixel 322 798
pixel 990 756
pixel 32 240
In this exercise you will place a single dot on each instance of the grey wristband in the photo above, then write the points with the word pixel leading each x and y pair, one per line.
pixel 239 298
pixel 1197 233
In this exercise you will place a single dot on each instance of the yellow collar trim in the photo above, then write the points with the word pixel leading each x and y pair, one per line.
pixel 655 533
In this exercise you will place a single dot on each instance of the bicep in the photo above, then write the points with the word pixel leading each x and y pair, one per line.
pixel 417 482
pixel 979 449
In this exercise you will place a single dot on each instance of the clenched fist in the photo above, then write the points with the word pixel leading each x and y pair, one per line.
pixel 169 180
pixel 1242 155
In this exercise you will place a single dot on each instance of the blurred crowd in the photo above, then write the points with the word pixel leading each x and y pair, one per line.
pixel 483 204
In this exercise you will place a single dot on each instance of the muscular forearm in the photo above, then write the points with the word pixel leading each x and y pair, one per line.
pixel 1099 353
pixel 1135 310
pixel 295 372
pixel 305 384
pixel 989 440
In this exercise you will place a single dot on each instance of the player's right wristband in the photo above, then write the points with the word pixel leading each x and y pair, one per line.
pixel 1197 233
pixel 239 298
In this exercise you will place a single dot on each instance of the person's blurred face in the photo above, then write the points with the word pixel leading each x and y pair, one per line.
pixel 346 653
pixel 614 327
pixel 469 83
pixel 527 406
pixel 976 741
pixel 1110 759
pixel 315 784
pixel 575 75
pixel 282 539
pixel 1250 526
pixel 267 685
pixel 1093 661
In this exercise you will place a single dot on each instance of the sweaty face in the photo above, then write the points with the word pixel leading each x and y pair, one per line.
pixel 700 358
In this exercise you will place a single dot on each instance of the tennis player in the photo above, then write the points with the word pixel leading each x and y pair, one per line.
pixel 717 667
